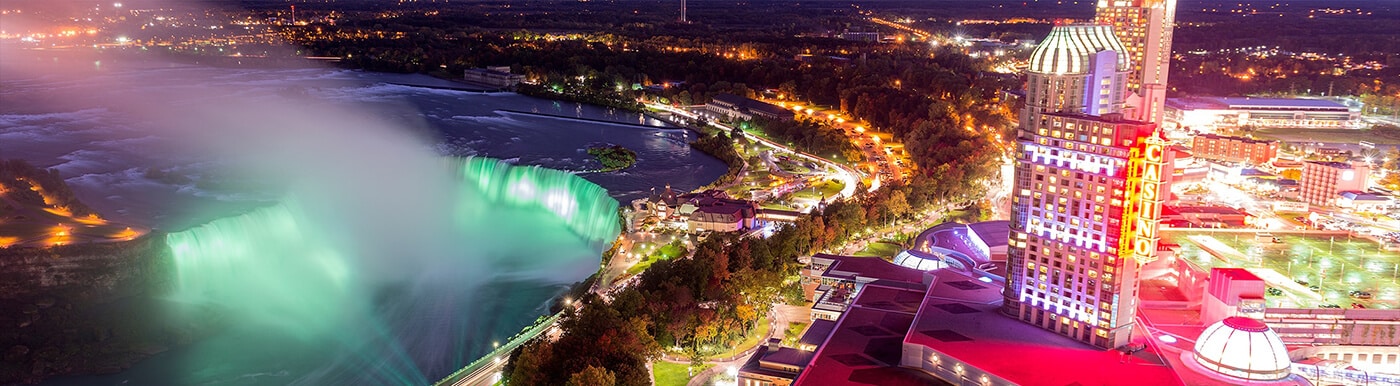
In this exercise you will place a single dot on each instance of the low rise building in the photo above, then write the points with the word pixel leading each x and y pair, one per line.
pixel 774 365
pixel 493 76
pixel 740 108
pixel 1234 149
pixel 1205 217
pixel 861 36
pixel 1363 202
pixel 707 211
pixel 1323 182
pixel 1207 114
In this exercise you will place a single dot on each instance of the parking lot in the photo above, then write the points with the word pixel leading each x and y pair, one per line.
pixel 1326 270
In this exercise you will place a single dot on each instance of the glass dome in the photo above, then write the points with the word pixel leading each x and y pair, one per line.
pixel 1243 348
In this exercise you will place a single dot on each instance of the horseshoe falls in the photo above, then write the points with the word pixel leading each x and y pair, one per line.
pixel 312 291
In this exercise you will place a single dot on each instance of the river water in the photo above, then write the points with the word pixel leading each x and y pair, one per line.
pixel 93 122
pixel 69 123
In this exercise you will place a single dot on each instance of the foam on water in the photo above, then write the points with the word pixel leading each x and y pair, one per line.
pixel 293 271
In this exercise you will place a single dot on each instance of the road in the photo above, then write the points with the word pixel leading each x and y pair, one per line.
pixel 848 176
pixel 486 370
pixel 881 161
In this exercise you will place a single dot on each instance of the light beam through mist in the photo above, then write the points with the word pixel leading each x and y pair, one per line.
pixel 286 269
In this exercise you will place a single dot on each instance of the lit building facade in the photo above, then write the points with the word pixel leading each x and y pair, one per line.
pixel 1145 28
pixel 1077 68
pixel 1323 182
pixel 1088 191
pixel 1208 114
pixel 1235 149
pixel 1088 197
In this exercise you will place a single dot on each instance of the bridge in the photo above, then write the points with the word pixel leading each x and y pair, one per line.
pixel 590 120
pixel 483 371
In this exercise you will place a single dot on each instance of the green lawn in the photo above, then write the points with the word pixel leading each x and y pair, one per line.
pixel 793 333
pixel 673 374
pixel 965 216
pixel 792 167
pixel 880 249
pixel 776 206
pixel 665 252
pixel 757 177
pixel 754 338
pixel 828 188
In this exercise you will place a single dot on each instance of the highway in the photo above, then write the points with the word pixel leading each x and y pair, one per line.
pixel 486 370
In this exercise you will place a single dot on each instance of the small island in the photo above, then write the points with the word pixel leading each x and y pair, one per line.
pixel 613 157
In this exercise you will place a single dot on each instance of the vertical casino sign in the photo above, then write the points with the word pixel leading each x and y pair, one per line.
pixel 1142 201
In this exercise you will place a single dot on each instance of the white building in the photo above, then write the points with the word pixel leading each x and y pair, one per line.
pixel 1208 114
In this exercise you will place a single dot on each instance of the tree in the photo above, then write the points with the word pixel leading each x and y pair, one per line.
pixel 592 376
pixel 897 205
pixel 531 365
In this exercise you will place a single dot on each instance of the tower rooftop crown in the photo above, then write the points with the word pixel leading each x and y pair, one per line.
pixel 1068 48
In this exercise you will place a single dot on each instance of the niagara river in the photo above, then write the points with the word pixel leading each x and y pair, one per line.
pixel 339 227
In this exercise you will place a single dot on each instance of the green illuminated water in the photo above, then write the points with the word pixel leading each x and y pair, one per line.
pixel 581 204
pixel 313 295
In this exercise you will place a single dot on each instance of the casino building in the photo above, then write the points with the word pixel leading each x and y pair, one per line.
pixel 1088 190
pixel 1078 68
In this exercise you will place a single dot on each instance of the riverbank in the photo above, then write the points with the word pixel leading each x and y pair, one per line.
pixel 86 309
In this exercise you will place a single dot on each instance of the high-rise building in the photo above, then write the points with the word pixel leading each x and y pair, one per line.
pixel 1077 68
pixel 1145 27
pixel 683 20
pixel 1087 193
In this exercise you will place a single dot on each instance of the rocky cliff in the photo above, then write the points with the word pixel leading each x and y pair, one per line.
pixel 83 309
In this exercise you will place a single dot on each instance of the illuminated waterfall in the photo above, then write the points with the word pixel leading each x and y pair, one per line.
pixel 581 204
pixel 388 307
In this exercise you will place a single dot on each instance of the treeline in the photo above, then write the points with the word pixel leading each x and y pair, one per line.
pixel 1224 74
pixel 719 145
pixel 927 99
pixel 17 178
pixel 589 96
pixel 703 305
pixel 709 302
pixel 811 136
pixel 614 157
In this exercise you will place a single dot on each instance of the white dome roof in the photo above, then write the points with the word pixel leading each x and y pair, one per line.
pixel 1068 48
pixel 1243 348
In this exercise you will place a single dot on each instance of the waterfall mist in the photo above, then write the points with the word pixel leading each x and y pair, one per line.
pixel 378 262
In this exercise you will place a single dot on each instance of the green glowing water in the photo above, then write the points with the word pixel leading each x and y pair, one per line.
pixel 573 199
pixel 317 298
